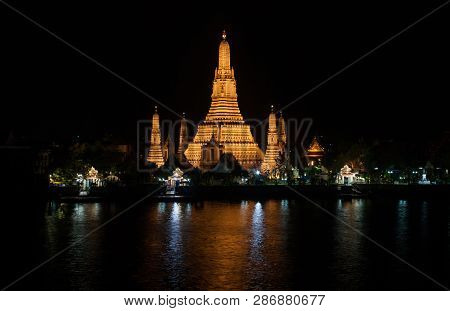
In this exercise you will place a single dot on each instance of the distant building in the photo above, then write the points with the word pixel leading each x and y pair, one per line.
pixel 314 153
pixel 347 177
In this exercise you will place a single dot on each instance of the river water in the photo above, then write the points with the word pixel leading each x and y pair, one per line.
pixel 237 245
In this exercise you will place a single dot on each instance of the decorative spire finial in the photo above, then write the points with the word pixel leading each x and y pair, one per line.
pixel 224 35
pixel 184 115
pixel 156 109
pixel 271 108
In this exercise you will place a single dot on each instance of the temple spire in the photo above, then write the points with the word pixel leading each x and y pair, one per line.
pixel 224 124
pixel 282 136
pixel 224 105
pixel 272 150
pixel 155 151
pixel 224 54
pixel 183 140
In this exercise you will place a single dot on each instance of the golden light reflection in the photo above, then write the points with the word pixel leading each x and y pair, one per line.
pixel 219 237
pixel 257 237
pixel 175 232
pixel 221 241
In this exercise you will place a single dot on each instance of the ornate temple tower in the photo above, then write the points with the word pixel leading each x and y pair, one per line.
pixel 168 148
pixel 282 138
pixel 272 150
pixel 315 152
pixel 224 120
pixel 183 141
pixel 155 154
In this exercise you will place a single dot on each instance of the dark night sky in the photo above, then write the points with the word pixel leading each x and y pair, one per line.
pixel 50 91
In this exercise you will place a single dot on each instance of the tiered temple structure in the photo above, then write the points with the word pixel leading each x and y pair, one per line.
pixel 276 142
pixel 155 154
pixel 168 148
pixel 272 150
pixel 282 136
pixel 224 129
pixel 315 152
pixel 183 141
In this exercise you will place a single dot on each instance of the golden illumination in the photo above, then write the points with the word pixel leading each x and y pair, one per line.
pixel 315 152
pixel 315 147
pixel 272 150
pixel 92 174
pixel 282 137
pixel 276 143
pixel 183 141
pixel 155 154
pixel 224 129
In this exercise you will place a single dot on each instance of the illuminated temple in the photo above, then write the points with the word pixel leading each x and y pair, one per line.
pixel 276 142
pixel 315 152
pixel 224 129
pixel 155 154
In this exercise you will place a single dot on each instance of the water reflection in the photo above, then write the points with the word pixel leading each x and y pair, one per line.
pixel 284 220
pixel 351 210
pixel 284 207
pixel 161 210
pixel 402 226
pixel 78 212
pixel 75 224
pixel 188 210
pixel 236 245
pixel 219 245
pixel 348 242
pixel 174 255
pixel 257 238
pixel 424 207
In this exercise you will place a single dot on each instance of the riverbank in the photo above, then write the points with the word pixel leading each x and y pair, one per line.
pixel 255 192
